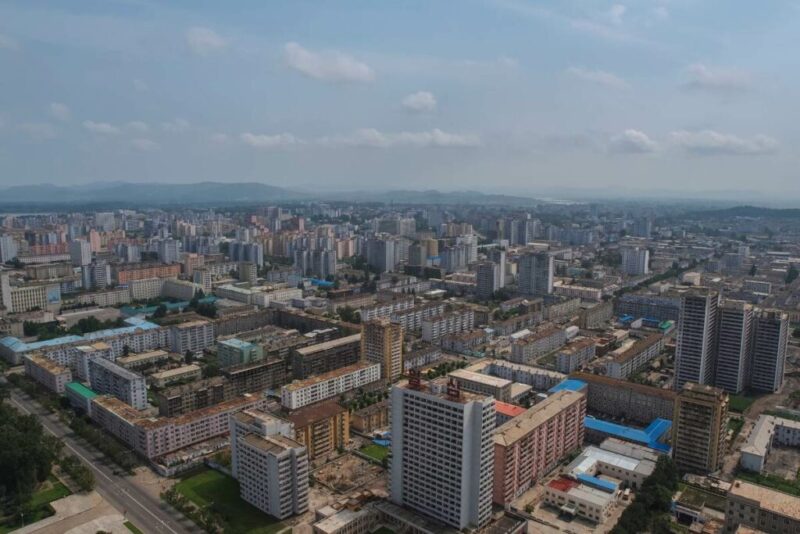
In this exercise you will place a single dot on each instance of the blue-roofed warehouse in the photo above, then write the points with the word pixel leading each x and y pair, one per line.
pixel 652 436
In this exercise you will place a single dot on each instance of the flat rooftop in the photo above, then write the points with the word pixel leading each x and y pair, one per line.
pixel 178 371
pixel 522 425
pixel 772 500
pixel 336 373
pixel 489 380
pixel 327 345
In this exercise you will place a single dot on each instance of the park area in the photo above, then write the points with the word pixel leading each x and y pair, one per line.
pixel 37 508
pixel 375 451
pixel 219 493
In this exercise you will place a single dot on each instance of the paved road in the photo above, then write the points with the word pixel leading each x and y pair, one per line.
pixel 139 507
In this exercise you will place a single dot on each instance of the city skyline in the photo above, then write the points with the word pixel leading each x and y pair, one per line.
pixel 503 95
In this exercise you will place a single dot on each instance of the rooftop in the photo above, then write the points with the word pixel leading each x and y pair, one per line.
pixel 569 384
pixel 519 427
pixel 332 344
pixel 649 436
pixel 235 343
pixel 509 410
pixel 276 444
pixel 471 376
pixel 47 364
pixel 769 499
pixel 315 412
pixel 81 390
pixel 590 378
pixel 135 324
pixel 178 371
pixel 336 373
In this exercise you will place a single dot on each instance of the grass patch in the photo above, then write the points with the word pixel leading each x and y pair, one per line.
pixel 220 493
pixel 375 451
pixel 698 498
pixel 735 424
pixel 39 505
pixel 130 526
pixel 56 491
pixel 791 487
pixel 740 403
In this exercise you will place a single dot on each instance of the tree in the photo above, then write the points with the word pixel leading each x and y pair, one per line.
pixel 791 274
pixel 188 357
pixel 160 312
pixel 753 270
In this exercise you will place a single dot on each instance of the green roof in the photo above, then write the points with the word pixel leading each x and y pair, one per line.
pixel 80 389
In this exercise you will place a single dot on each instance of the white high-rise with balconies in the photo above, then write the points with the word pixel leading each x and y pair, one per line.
pixel 442 451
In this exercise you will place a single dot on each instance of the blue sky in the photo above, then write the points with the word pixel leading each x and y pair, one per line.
pixel 505 95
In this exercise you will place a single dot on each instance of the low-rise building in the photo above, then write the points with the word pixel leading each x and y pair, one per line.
pixel 628 361
pixel 529 348
pixel 323 427
pixel 179 374
pixel 769 430
pixel 231 352
pixel 143 360
pixel 332 384
pixel 325 357
pixel 436 327
pixel 499 388
pixel 106 377
pixel 47 372
pixel 621 399
pixel 80 397
pixel 762 508
pixel 575 354
pixel 371 418
pixel 193 336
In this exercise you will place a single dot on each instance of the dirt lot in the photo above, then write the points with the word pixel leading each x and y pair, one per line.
pixel 349 473
pixel 783 462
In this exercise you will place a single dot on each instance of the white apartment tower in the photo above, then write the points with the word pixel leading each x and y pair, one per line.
pixel 770 336
pixel 442 451
pixel 635 261
pixel 697 334
pixel 733 346
pixel 271 467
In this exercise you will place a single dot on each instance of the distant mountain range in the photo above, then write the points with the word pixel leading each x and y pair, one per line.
pixel 125 193
pixel 752 211
pixel 217 193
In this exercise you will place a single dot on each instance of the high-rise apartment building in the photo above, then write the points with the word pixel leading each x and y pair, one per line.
pixel 635 261
pixel 697 334
pixel 699 425
pixel 169 251
pixel 536 273
pixel 488 279
pixel 248 272
pixel 8 248
pixel 770 337
pixel 382 342
pixel 442 451
pixel 271 467
pixel 80 253
pixel 734 346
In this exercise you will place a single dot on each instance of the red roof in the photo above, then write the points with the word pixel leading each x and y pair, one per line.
pixel 510 410
pixel 562 484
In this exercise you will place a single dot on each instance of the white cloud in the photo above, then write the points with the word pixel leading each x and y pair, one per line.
pixel 204 41
pixel 8 43
pixel 710 142
pixel 176 126
pixel 598 76
pixel 103 128
pixel 277 141
pixel 140 85
pixel 717 78
pixel 220 138
pixel 138 126
pixel 328 65
pixel 370 137
pixel 420 101
pixel 145 145
pixel 632 142
pixel 60 111
pixel 616 14
pixel 661 12
pixel 38 131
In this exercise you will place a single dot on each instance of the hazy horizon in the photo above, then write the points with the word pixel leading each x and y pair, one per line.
pixel 636 98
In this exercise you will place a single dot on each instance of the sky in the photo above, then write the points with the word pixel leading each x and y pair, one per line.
pixel 694 96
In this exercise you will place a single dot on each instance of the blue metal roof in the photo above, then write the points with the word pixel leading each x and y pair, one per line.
pixel 599 483
pixel 570 384
pixel 649 436
pixel 19 346
pixel 237 343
